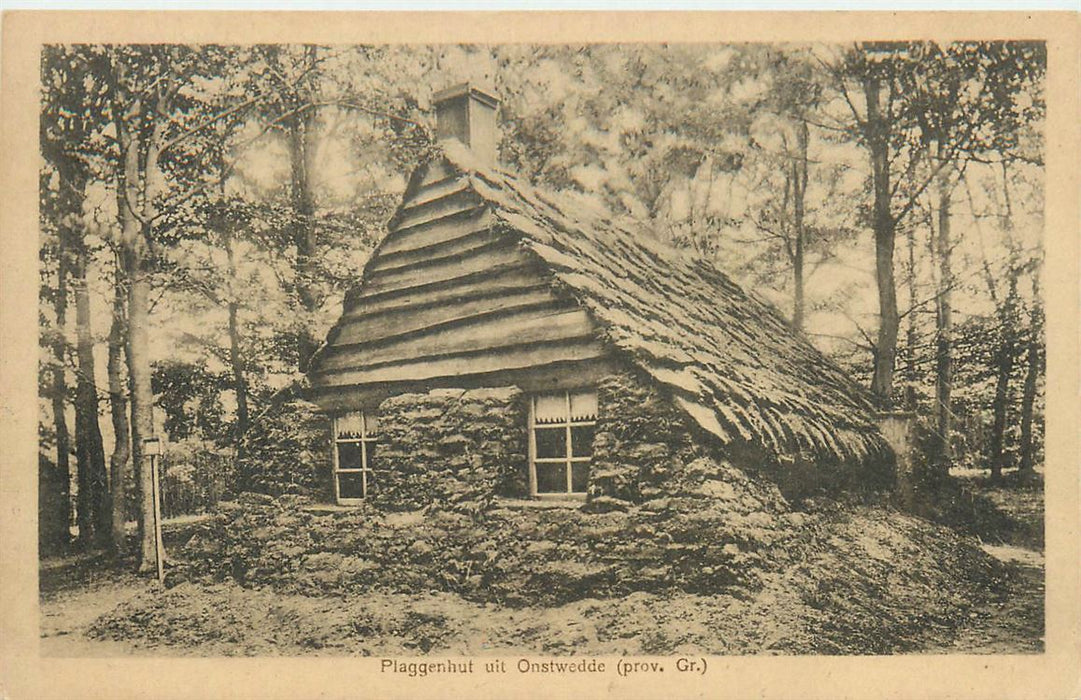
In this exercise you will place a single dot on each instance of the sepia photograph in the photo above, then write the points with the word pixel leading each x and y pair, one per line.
pixel 528 359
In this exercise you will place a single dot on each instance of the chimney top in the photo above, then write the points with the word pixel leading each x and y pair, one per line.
pixel 485 95
pixel 467 113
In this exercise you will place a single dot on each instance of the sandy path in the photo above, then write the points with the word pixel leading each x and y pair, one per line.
pixel 68 610
pixel 1005 625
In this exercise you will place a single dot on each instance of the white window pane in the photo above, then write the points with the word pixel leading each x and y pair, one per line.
pixel 584 406
pixel 348 425
pixel 550 408
pixel 371 424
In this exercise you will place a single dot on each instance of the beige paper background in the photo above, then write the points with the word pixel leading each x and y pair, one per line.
pixel 26 676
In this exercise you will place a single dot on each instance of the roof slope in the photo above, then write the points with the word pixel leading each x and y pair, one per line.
pixel 450 297
pixel 731 360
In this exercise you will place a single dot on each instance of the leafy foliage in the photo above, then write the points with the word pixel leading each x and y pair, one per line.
pixel 288 450
pixel 694 144
pixel 190 396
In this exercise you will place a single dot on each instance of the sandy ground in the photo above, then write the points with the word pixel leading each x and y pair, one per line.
pixel 76 590
pixel 93 607
pixel 1004 626
pixel 197 620
pixel 68 610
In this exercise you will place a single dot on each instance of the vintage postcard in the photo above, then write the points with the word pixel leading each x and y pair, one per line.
pixel 538 354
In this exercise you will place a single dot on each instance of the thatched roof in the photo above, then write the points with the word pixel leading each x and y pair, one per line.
pixel 730 360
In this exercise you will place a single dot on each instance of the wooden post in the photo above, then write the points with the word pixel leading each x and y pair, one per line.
pixel 153 451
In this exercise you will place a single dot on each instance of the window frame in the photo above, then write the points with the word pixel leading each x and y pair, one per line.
pixel 365 470
pixel 568 460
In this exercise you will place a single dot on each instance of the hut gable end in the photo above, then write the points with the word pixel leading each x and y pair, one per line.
pixel 449 294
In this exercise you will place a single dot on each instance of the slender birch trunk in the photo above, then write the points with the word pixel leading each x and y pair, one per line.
pixel 118 409
pixel 911 374
pixel 138 184
pixel 303 232
pixel 885 234
pixel 59 396
pixel 943 326
pixel 301 150
pixel 236 361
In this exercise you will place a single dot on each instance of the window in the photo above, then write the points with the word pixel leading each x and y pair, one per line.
pixel 561 442
pixel 354 455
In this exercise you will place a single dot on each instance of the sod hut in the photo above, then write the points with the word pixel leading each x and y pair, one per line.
pixel 505 341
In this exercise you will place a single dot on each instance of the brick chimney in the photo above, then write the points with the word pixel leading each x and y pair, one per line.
pixel 468 113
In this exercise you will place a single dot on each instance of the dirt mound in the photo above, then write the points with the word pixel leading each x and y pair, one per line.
pixel 857 580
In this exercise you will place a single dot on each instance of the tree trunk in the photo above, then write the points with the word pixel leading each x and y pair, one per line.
pixel 142 401
pixel 137 187
pixel 303 232
pixel 118 407
pixel 1004 357
pixel 911 375
pixel 1032 373
pixel 877 132
pixel 236 361
pixel 94 511
pixel 59 396
pixel 799 192
pixel 998 429
pixel 944 329
pixel 300 127
pixel 240 382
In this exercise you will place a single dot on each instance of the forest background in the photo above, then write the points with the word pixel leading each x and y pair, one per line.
pixel 204 208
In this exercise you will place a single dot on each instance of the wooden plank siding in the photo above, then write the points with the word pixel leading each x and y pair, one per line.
pixel 487 283
pixel 549 377
pixel 471 241
pixel 453 206
pixel 418 317
pixel 466 366
pixel 493 330
pixel 450 184
pixel 448 297
pixel 491 255
pixel 444 231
